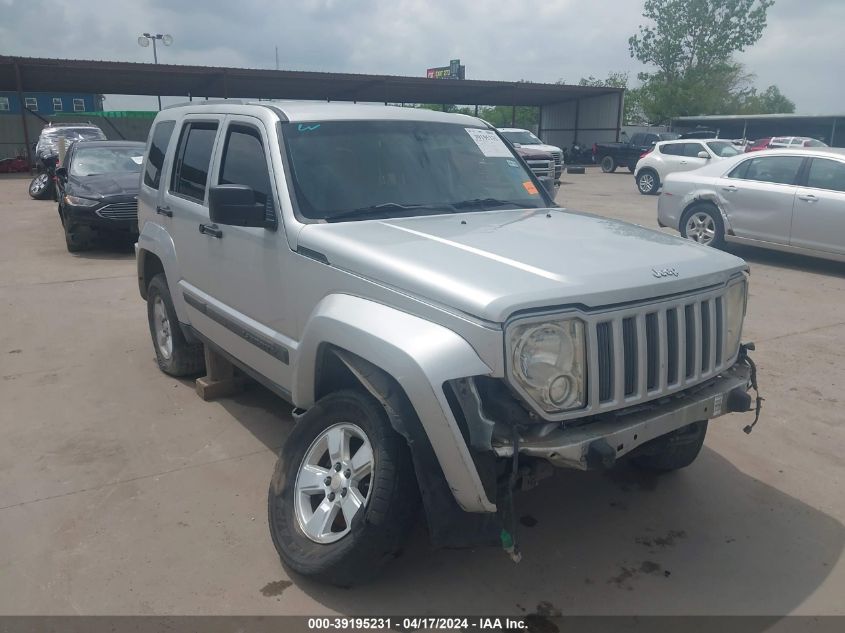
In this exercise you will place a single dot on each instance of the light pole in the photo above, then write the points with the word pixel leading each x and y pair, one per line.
pixel 144 40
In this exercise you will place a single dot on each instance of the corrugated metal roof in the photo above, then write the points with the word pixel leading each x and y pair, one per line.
pixel 76 75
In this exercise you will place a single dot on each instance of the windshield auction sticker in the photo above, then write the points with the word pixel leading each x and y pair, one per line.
pixel 530 188
pixel 489 144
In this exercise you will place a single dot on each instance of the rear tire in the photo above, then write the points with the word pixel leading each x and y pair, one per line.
pixel 608 164
pixel 648 182
pixel 674 450
pixel 175 355
pixel 41 187
pixel 308 518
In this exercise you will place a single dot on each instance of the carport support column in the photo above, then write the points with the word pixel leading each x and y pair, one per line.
pixel 513 116
pixel 19 86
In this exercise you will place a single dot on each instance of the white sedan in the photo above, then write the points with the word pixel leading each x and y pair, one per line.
pixel 681 155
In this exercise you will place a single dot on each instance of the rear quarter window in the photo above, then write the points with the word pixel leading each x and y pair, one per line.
pixel 159 140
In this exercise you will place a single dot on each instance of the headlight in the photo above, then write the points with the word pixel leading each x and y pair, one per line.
pixel 80 202
pixel 548 363
pixel 735 300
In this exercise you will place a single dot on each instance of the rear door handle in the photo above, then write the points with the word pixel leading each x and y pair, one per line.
pixel 729 189
pixel 211 229
pixel 807 197
pixel 164 211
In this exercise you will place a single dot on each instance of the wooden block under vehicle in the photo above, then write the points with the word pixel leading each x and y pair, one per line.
pixel 221 378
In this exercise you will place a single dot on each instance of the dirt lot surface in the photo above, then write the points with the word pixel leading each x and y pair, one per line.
pixel 121 492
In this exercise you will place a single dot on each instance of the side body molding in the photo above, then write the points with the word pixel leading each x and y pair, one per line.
pixel 420 356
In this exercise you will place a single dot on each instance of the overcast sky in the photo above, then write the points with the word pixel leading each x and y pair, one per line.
pixel 802 50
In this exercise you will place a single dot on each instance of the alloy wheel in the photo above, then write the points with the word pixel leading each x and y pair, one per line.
pixel 701 228
pixel 161 322
pixel 333 482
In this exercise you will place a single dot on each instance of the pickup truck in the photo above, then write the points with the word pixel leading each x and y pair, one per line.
pixel 443 333
pixel 626 154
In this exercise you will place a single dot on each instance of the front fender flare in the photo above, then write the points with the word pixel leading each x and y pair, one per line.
pixel 421 356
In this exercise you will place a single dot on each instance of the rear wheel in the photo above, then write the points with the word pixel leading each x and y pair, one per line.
pixel 648 182
pixel 41 187
pixel 702 223
pixel 343 495
pixel 175 355
pixel 608 164
pixel 674 450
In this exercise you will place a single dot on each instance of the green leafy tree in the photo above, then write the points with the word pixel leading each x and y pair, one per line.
pixel 691 43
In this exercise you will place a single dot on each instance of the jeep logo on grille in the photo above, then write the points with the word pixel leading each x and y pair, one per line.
pixel 664 272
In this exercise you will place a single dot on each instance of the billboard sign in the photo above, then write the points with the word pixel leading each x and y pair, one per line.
pixel 453 71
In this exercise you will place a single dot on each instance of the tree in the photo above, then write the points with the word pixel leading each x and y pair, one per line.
pixel 691 43
pixel 697 33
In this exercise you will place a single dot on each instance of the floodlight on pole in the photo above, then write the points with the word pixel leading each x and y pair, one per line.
pixel 144 41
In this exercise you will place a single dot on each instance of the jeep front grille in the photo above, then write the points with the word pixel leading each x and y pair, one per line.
pixel 119 211
pixel 641 353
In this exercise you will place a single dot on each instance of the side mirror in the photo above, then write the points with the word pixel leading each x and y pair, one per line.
pixel 61 172
pixel 235 205
pixel 703 154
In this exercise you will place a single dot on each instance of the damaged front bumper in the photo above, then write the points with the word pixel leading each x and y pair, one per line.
pixel 599 443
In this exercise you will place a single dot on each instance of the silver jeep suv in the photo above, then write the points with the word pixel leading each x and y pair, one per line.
pixel 444 332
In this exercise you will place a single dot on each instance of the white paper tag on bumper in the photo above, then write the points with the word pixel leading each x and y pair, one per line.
pixel 489 144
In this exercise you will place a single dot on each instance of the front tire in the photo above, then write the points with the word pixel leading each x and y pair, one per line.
pixel 41 187
pixel 702 223
pixel 341 525
pixel 175 355
pixel 648 182
pixel 674 450
pixel 608 164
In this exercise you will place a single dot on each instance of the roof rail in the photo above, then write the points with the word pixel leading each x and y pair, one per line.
pixel 209 102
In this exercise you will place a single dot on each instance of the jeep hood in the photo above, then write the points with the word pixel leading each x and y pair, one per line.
pixel 494 263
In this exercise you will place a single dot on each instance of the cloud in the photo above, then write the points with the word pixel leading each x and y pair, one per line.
pixel 555 39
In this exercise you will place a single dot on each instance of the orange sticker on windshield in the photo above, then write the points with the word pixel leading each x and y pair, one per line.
pixel 529 187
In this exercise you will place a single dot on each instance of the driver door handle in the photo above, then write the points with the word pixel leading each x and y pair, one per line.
pixel 729 189
pixel 164 211
pixel 807 197
pixel 211 229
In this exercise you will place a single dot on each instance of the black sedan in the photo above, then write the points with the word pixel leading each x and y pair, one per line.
pixel 98 191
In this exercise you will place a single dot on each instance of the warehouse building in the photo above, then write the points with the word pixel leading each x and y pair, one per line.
pixel 827 128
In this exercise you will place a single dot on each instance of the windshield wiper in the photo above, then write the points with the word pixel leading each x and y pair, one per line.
pixel 385 209
pixel 487 202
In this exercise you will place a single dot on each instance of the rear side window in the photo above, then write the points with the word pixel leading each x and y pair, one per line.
pixel 193 157
pixel 244 163
pixel 672 149
pixel 158 149
pixel 826 174
pixel 781 170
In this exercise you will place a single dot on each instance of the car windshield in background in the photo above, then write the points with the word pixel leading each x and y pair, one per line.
pixel 814 143
pixel 523 138
pixel 724 149
pixel 106 160
pixel 668 136
pixel 355 170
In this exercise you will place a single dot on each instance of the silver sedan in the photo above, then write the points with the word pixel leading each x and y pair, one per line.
pixel 788 200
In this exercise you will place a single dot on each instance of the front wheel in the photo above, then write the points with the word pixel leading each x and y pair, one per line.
pixel 674 450
pixel 608 164
pixel 343 495
pixel 702 223
pixel 41 187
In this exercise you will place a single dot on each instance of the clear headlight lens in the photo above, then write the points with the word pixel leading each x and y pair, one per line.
pixel 80 202
pixel 735 301
pixel 548 363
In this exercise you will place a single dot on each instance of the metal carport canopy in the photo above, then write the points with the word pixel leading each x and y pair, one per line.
pixel 76 75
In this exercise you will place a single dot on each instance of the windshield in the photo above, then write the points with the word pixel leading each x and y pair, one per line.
pixel 811 142
pixel 355 170
pixel 106 160
pixel 724 148
pixel 523 137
